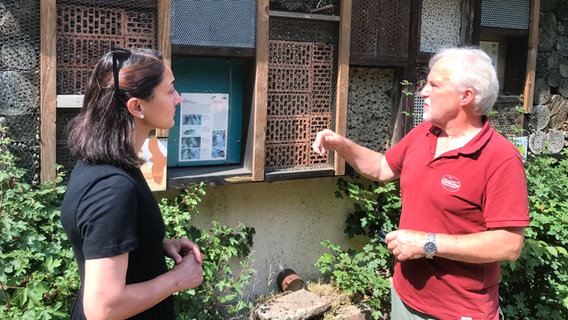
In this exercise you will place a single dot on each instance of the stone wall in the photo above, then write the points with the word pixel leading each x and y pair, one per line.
pixel 549 118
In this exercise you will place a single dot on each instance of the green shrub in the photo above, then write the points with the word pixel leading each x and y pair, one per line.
pixel 364 275
pixel 221 294
pixel 38 274
pixel 536 285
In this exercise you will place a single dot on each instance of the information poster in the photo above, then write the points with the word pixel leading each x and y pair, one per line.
pixel 203 130
pixel 522 144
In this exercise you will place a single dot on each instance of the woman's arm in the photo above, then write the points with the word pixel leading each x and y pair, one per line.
pixel 107 296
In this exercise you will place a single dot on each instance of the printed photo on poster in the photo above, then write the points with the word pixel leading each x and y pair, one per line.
pixel 203 131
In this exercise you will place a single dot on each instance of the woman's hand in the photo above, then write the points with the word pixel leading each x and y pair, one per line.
pixel 179 248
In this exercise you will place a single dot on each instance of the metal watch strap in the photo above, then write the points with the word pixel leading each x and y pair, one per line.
pixel 430 246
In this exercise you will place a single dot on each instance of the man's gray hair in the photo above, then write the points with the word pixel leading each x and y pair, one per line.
pixel 472 68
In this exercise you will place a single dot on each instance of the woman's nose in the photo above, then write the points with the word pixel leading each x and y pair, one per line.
pixel 178 100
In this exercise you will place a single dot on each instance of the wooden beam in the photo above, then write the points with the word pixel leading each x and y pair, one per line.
pixel 476 32
pixel 531 56
pixel 48 89
pixel 342 79
pixel 467 21
pixel 260 96
pixel 410 69
pixel 164 41
pixel 193 50
pixel 165 29
pixel 303 16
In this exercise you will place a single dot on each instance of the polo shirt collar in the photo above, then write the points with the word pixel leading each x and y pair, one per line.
pixel 474 144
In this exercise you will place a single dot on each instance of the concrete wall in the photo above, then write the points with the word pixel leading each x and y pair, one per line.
pixel 291 218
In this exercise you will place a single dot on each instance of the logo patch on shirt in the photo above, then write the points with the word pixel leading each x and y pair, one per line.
pixel 451 183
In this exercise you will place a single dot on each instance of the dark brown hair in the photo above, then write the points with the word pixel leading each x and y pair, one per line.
pixel 103 132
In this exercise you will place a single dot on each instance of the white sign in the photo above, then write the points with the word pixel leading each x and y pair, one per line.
pixel 203 128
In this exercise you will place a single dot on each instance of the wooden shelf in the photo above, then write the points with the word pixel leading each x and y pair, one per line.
pixel 304 16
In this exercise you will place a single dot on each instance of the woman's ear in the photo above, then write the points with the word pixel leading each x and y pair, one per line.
pixel 133 106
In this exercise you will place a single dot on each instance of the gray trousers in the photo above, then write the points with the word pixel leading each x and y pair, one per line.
pixel 400 311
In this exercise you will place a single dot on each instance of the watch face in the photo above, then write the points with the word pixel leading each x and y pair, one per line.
pixel 429 248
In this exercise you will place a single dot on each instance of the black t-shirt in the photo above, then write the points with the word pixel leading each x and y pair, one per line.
pixel 108 211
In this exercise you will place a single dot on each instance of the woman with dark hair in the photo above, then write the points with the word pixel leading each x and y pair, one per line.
pixel 112 220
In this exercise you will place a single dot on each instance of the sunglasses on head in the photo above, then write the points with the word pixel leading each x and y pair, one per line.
pixel 119 55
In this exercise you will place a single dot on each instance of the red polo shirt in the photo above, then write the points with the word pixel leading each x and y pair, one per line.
pixel 479 186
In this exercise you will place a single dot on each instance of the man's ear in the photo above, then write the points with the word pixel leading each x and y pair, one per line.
pixel 467 97
pixel 133 106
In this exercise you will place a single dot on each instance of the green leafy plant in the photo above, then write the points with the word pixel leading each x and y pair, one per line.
pixel 364 274
pixel 407 88
pixel 376 206
pixel 38 275
pixel 222 293
pixel 536 285
pixel 407 94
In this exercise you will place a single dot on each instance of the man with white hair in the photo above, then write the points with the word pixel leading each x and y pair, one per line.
pixel 463 189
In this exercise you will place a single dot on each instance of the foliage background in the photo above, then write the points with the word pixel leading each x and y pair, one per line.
pixel 38 274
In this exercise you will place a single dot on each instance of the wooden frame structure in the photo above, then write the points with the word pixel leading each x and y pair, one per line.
pixel 48 95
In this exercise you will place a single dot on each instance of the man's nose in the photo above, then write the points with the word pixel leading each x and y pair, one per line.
pixel 424 92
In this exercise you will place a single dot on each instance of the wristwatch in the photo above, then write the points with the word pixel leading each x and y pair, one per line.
pixel 430 246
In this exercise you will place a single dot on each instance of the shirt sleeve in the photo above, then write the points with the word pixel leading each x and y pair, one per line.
pixel 107 217
pixel 395 155
pixel 506 197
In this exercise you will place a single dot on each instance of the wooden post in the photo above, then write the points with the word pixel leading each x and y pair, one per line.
pixel 165 29
pixel 165 42
pixel 48 89
pixel 531 56
pixel 342 79
pixel 260 98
